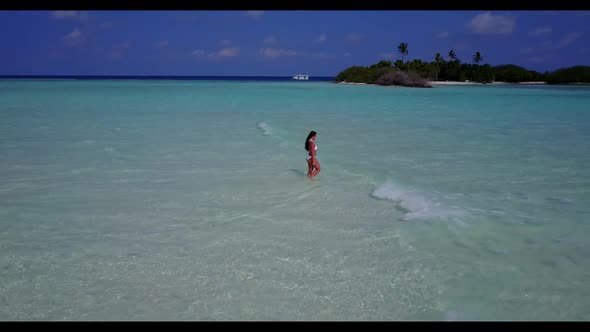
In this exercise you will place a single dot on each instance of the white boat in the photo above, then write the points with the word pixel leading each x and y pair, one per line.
pixel 301 77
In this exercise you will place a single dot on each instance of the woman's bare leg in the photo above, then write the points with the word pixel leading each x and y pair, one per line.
pixel 316 164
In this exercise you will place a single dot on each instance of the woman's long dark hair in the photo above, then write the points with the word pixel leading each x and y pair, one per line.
pixel 311 134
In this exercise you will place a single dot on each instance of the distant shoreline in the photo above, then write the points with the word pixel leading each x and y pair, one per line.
pixel 444 83
pixel 477 83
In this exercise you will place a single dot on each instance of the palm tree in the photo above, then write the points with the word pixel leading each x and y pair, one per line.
pixel 438 60
pixel 403 50
pixel 452 55
pixel 477 58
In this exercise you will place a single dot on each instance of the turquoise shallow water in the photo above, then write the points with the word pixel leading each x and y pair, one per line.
pixel 180 200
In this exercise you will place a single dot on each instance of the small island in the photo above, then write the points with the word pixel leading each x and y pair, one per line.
pixel 423 74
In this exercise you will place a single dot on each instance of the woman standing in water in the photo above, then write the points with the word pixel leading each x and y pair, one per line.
pixel 313 165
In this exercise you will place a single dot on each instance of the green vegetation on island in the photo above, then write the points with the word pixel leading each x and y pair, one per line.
pixel 572 75
pixel 418 73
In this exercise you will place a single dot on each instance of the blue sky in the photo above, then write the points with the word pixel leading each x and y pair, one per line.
pixel 319 43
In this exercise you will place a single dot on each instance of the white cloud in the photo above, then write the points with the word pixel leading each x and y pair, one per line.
pixel 69 15
pixel 198 52
pixel 118 51
pixel 536 59
pixel 541 31
pixel 488 24
pixel 270 39
pixel 74 38
pixel 346 54
pixel 161 44
pixel 320 55
pixel 443 34
pixel 124 45
pixel 322 38
pixel 387 55
pixel 254 13
pixel 354 37
pixel 224 42
pixel 273 53
pixel 75 34
pixel 568 39
pixel 228 52
pixel 546 13
pixel 59 14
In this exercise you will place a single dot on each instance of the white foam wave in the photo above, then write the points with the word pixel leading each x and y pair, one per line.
pixel 416 204
pixel 265 128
